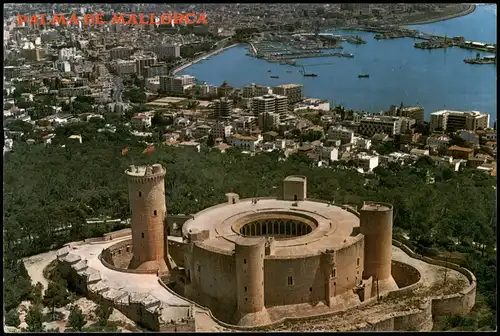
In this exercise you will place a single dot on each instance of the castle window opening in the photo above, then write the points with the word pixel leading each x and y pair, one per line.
pixel 334 273
pixel 155 213
pixel 142 235
pixel 140 194
pixel 245 289
pixel 310 289
pixel 188 275
pixel 290 281
pixel 244 261
pixel 234 201
pixel 199 268
pixel 295 197
pixel 357 262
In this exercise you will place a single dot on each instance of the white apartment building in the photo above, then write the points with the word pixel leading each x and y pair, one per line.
pixel 412 112
pixel 248 143
pixel 370 126
pixel 294 92
pixel 141 120
pixel 270 104
pixel 207 90
pixel 177 84
pixel 438 141
pixel 367 162
pixel 312 104
pixel 153 84
pixel 120 53
pixel 452 121
pixel 65 54
pixel 221 130
pixel 63 66
pixel 165 51
pixel 346 136
pixel 254 90
pixel 362 143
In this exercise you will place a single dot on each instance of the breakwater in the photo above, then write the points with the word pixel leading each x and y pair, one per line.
pixel 201 58
pixel 310 55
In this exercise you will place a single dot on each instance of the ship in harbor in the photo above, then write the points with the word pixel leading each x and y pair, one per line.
pixel 363 75
pixel 308 74
pixel 484 60
pixel 275 76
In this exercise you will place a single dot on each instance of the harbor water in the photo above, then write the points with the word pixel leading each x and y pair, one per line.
pixel 399 73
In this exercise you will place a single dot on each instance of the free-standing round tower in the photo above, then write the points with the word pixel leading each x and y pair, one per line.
pixel 376 225
pixel 146 189
pixel 249 257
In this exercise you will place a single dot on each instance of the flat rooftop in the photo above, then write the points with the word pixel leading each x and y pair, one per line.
pixel 138 171
pixel 333 229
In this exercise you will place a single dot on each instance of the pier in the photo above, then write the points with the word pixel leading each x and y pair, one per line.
pixel 310 55
pixel 431 41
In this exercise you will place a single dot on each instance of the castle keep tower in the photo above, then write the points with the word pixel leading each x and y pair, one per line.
pixel 376 225
pixel 146 189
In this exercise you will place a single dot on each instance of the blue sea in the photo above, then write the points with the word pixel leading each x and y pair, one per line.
pixel 399 73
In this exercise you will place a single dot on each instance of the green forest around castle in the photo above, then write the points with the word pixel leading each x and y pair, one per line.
pixel 47 188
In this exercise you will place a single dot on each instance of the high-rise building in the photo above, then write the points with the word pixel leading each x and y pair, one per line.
pixel 142 61
pixel 294 92
pixel 268 121
pixel 159 69
pixel 270 103
pixel 254 90
pixel 412 112
pixel 124 67
pixel 176 84
pixel 165 51
pixel 120 53
pixel 222 107
pixel 452 121
pixel 370 126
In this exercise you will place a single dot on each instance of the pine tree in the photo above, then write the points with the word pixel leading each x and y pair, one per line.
pixel 103 312
pixel 34 319
pixel 76 319
pixel 56 296
pixel 12 318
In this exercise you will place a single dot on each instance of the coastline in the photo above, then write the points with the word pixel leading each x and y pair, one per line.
pixel 200 58
pixel 468 11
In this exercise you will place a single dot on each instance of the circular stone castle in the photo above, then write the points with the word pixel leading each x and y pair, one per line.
pixel 256 262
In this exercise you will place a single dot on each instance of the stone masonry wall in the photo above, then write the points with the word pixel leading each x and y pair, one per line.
pixel 455 304
pixel 143 308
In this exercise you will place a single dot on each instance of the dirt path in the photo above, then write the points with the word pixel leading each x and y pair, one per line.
pixel 36 264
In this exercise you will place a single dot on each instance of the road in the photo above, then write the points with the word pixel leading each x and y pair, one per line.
pixel 117 89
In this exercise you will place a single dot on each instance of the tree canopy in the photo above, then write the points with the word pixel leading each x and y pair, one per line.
pixel 51 190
